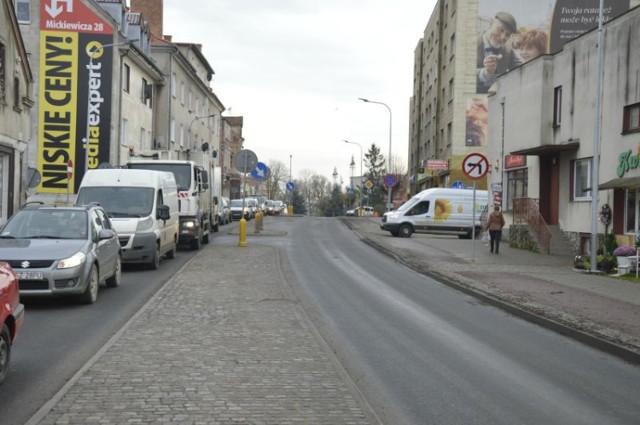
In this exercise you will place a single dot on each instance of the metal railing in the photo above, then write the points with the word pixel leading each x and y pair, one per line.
pixel 527 211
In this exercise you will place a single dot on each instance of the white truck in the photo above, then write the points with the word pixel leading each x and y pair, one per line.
pixel 192 171
pixel 216 196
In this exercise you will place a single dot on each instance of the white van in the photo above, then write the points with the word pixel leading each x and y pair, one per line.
pixel 438 210
pixel 143 208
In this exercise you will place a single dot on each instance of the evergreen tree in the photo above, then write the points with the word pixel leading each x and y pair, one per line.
pixel 375 163
pixel 335 205
pixel 297 201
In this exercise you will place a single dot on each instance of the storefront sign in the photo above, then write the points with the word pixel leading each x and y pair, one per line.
pixel 438 164
pixel 513 161
pixel 627 161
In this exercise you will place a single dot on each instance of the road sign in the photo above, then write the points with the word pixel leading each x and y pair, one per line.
pixel 260 172
pixel 457 185
pixel 390 180
pixel 246 161
pixel 368 184
pixel 475 166
pixel 70 169
pixel 290 185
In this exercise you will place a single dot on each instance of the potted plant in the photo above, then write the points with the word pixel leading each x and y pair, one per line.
pixel 621 253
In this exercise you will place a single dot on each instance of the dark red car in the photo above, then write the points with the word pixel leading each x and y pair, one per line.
pixel 11 315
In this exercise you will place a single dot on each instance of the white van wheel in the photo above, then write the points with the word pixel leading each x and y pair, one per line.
pixel 405 231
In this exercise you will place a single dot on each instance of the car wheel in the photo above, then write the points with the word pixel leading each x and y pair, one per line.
pixel 405 231
pixel 114 281
pixel 394 233
pixel 90 294
pixel 154 264
pixel 216 225
pixel 5 351
pixel 196 243
pixel 172 252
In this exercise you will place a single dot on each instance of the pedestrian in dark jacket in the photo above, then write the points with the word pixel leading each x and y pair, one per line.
pixel 495 223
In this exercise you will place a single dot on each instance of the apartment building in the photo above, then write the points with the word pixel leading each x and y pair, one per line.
pixel 91 81
pixel 16 102
pixel 466 46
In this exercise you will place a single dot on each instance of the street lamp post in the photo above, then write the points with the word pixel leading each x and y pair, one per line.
pixel 95 50
pixel 389 158
pixel 193 146
pixel 361 175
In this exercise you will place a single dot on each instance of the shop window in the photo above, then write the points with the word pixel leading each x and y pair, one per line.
pixel 517 186
pixel 582 180
pixel 630 211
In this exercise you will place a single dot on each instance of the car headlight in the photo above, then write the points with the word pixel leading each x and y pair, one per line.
pixel 392 216
pixel 74 261
pixel 145 224
pixel 189 224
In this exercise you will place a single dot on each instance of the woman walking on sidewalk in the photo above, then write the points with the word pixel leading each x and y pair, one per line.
pixel 495 223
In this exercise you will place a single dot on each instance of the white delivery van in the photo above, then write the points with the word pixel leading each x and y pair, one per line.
pixel 143 208
pixel 438 210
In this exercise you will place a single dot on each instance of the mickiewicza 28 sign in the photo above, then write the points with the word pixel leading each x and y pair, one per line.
pixel 75 92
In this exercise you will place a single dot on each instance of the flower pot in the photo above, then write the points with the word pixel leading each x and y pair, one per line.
pixel 623 265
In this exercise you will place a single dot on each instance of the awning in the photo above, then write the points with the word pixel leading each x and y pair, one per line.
pixel 621 183
pixel 548 149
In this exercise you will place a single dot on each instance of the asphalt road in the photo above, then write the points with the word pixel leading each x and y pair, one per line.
pixel 422 352
pixel 59 336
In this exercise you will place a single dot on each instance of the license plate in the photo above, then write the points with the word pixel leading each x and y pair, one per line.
pixel 27 275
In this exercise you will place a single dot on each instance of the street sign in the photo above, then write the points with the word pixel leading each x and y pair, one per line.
pixel 290 185
pixel 368 184
pixel 457 185
pixel 260 172
pixel 246 161
pixel 475 166
pixel 390 180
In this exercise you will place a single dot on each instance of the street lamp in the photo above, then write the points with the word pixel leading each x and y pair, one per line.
pixel 193 146
pixel 361 175
pixel 389 158
pixel 94 50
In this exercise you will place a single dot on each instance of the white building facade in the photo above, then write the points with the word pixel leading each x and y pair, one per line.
pixel 542 124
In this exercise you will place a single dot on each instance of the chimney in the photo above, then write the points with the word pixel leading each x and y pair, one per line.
pixel 152 10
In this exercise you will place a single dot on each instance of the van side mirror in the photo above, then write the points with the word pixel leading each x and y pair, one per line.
pixel 163 212
pixel 215 200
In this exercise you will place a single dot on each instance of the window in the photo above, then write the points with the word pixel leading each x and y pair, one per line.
pixel 631 118
pixel 449 134
pixel 631 203
pixel 144 91
pixel 172 130
pixel 23 11
pixel 126 78
pixel 143 138
pixel 582 179
pixel 453 45
pixel 174 87
pixel 181 135
pixel 517 186
pixel 182 93
pixel 125 130
pixel 451 89
pixel 16 94
pixel 557 106
pixel 3 67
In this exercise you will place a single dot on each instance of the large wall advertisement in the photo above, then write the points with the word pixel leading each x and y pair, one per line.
pixel 75 93
pixel 513 32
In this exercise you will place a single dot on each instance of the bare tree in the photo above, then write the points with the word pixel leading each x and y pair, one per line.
pixel 277 178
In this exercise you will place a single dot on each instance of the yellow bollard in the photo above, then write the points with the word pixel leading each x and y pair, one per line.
pixel 242 231
pixel 290 210
pixel 257 222
pixel 261 221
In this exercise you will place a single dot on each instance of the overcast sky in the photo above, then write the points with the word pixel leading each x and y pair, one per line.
pixel 294 69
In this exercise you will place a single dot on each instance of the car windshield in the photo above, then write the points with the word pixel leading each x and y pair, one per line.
pixel 54 223
pixel 181 172
pixel 119 201
pixel 236 203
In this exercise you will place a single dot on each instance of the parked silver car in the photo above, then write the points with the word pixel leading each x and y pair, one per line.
pixel 62 250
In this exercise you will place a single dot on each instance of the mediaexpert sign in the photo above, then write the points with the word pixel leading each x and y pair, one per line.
pixel 75 93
